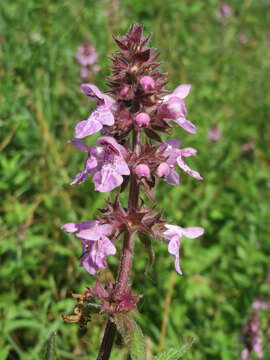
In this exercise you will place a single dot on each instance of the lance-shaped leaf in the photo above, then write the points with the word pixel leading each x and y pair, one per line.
pixel 50 353
pixel 132 335
pixel 174 353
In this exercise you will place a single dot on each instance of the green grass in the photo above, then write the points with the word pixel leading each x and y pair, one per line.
pixel 40 102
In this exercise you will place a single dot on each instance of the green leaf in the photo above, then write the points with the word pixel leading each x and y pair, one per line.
pixel 50 353
pixel 4 353
pixel 174 353
pixel 132 335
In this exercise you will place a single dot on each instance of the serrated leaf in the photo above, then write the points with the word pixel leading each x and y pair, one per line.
pixel 50 353
pixel 132 335
pixel 174 353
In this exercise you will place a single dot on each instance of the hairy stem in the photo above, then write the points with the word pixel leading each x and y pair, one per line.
pixel 126 259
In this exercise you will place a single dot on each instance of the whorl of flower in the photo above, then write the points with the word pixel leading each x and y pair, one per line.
pixel 87 58
pixel 107 163
pixel 252 334
pixel 114 303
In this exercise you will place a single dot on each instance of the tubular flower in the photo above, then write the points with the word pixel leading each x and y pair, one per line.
pixel 95 241
pixel 214 133
pixel 100 117
pixel 173 108
pixel 174 156
pixel 173 234
pixel 106 162
pixel 87 57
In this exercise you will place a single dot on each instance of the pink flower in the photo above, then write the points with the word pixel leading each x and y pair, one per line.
pixel 86 57
pixel 175 156
pixel 163 170
pixel 173 108
pixel 258 304
pixel 224 12
pixel 147 83
pixel 95 241
pixel 142 119
pixel 173 234
pixel 214 133
pixel 142 170
pixel 84 72
pixel 252 335
pixel 101 116
pixel 106 162
pixel 245 354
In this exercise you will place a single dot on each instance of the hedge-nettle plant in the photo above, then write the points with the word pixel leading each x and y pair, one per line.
pixel 130 155
pixel 252 336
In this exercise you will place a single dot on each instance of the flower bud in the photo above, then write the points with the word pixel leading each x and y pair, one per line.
pixel 126 93
pixel 163 170
pixel 142 170
pixel 142 119
pixel 147 83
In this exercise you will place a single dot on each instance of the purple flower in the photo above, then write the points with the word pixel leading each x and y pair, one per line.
pixel 252 335
pixel 245 354
pixel 259 304
pixel 106 162
pixel 147 83
pixel 95 241
pixel 142 170
pixel 173 234
pixel 175 157
pixel 86 57
pixel 101 116
pixel 84 72
pixel 142 119
pixel 163 170
pixel 173 108
pixel 224 12
pixel 214 133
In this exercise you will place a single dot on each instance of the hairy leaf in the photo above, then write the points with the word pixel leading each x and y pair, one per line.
pixel 174 353
pixel 132 335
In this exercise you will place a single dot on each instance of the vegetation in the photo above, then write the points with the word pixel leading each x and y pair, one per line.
pixel 40 102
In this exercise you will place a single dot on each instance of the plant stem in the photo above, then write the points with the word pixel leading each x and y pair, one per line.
pixel 126 259
pixel 107 341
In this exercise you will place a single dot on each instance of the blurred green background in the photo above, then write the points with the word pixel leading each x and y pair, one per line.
pixel 40 102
